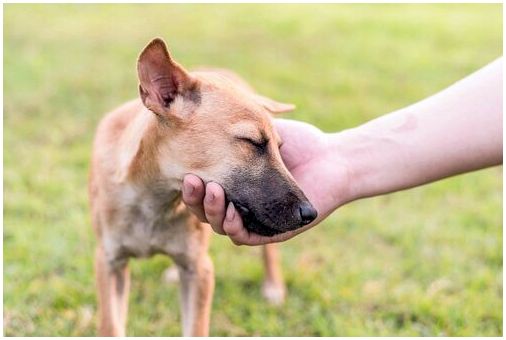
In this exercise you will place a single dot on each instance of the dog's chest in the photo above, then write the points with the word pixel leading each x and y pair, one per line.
pixel 149 222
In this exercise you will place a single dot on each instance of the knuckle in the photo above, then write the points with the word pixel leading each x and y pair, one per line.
pixel 211 209
pixel 192 200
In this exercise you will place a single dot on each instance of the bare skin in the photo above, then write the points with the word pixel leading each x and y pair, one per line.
pixel 454 131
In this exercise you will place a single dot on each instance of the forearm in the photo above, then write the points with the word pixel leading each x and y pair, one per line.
pixel 455 131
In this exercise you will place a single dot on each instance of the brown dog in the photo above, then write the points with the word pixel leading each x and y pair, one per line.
pixel 207 123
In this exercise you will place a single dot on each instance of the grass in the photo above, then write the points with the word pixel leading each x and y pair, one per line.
pixel 423 262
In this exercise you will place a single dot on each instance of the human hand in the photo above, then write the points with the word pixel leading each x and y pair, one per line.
pixel 306 153
pixel 421 143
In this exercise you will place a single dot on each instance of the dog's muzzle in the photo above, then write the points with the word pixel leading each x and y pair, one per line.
pixel 303 214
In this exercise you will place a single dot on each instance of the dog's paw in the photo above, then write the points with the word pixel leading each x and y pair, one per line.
pixel 171 275
pixel 274 293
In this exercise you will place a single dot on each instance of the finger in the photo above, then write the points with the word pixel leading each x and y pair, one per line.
pixel 193 194
pixel 214 206
pixel 233 227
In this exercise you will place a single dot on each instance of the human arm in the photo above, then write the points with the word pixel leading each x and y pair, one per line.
pixel 454 131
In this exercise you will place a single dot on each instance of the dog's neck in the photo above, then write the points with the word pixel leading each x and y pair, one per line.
pixel 138 161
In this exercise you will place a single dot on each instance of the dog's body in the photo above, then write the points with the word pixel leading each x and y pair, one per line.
pixel 139 158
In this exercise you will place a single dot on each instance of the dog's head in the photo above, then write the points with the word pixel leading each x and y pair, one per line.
pixel 222 131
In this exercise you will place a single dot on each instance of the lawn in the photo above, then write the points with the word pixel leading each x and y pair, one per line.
pixel 423 262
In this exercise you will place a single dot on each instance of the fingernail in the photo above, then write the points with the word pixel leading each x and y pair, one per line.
pixel 230 212
pixel 188 188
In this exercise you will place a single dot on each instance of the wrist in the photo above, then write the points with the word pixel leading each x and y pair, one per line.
pixel 361 154
pixel 340 153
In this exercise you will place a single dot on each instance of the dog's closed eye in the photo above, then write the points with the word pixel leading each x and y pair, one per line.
pixel 260 144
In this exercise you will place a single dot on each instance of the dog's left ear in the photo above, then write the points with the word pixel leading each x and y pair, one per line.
pixel 161 78
pixel 274 106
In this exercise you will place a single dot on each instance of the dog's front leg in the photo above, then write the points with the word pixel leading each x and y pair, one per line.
pixel 197 286
pixel 113 285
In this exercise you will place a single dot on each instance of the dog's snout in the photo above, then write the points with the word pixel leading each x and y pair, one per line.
pixel 307 213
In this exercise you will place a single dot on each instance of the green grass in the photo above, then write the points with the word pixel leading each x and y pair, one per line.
pixel 423 262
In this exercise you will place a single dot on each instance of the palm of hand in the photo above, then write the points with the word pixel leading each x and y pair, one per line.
pixel 305 154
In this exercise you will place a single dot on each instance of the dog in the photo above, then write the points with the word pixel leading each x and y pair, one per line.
pixel 209 123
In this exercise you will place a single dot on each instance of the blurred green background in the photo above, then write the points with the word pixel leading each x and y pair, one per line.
pixel 423 262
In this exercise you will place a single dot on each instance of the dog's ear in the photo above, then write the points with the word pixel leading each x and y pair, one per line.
pixel 274 106
pixel 161 78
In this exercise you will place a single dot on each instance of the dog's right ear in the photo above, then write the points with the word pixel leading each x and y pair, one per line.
pixel 161 78
pixel 272 105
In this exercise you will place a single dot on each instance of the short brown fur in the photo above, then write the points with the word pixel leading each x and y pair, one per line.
pixel 142 151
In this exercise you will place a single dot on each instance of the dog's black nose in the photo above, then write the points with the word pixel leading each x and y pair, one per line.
pixel 307 213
